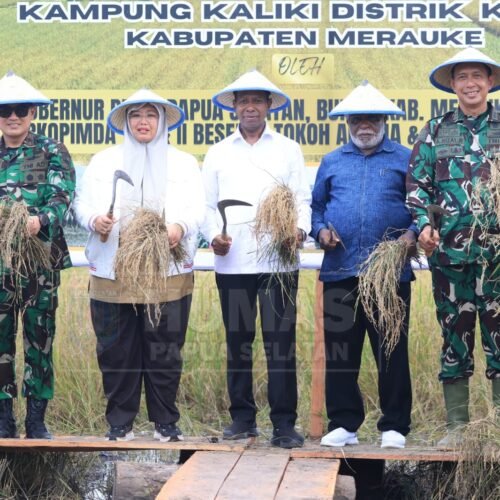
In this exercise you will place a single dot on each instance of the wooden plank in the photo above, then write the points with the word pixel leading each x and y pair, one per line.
pixel 307 478
pixel 311 449
pixel 256 475
pixel 318 366
pixel 92 443
pixel 201 477
pixel 412 454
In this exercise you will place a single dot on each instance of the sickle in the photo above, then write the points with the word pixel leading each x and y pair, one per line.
pixel 222 205
pixel 119 174
pixel 432 211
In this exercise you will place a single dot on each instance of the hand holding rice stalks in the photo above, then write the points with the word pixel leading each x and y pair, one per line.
pixel 276 228
pixel 485 203
pixel 143 257
pixel 378 290
pixel 20 252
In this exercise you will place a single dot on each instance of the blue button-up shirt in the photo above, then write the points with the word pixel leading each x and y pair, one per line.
pixel 364 198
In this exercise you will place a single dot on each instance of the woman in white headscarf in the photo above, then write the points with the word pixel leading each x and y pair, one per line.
pixel 131 348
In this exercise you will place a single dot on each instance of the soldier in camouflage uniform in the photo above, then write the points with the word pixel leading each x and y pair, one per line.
pixel 38 171
pixel 449 159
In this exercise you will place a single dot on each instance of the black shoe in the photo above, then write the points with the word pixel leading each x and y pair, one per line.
pixel 120 433
pixel 8 427
pixel 168 432
pixel 240 430
pixel 35 416
pixel 287 438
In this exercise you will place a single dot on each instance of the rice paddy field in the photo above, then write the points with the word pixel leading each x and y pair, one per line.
pixel 78 407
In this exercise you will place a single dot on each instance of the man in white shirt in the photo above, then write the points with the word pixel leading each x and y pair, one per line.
pixel 246 166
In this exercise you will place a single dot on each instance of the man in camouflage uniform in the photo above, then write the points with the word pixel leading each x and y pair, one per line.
pixel 450 158
pixel 38 171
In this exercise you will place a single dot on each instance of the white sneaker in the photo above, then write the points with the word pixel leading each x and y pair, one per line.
pixel 339 437
pixel 392 439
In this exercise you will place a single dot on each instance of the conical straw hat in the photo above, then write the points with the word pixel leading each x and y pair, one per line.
pixel 440 76
pixel 253 80
pixel 16 90
pixel 173 114
pixel 365 100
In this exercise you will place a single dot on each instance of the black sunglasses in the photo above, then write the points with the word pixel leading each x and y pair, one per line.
pixel 21 110
pixel 357 119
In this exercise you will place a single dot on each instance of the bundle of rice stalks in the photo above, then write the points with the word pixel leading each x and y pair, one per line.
pixel 143 257
pixel 485 202
pixel 276 228
pixel 20 252
pixel 477 474
pixel 378 290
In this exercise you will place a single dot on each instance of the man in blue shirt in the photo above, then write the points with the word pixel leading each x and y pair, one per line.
pixel 360 191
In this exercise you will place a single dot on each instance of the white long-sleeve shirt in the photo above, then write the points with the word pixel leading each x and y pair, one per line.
pixel 184 204
pixel 235 169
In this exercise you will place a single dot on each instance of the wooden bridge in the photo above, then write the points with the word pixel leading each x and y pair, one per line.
pixel 246 469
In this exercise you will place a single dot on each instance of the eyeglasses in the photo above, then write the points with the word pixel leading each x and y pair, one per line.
pixel 357 119
pixel 21 110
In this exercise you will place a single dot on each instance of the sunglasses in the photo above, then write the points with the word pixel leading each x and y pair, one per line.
pixel 20 110
pixel 357 119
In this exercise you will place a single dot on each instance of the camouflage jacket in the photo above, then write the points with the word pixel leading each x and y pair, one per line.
pixel 40 173
pixel 448 160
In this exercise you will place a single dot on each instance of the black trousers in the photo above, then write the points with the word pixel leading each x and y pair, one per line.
pixel 345 327
pixel 238 296
pixel 130 348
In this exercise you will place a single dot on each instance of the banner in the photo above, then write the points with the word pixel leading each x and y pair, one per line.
pixel 78 118
pixel 89 55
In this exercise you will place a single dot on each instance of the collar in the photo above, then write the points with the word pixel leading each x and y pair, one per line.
pixel 386 146
pixel 491 114
pixel 237 136
pixel 29 141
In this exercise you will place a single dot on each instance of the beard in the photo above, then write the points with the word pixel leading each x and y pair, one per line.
pixel 371 142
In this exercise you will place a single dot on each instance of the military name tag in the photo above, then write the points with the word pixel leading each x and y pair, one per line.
pixel 448 131
pixel 449 150
pixel 34 169
pixel 493 133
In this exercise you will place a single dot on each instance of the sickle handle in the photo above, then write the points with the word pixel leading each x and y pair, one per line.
pixel 104 237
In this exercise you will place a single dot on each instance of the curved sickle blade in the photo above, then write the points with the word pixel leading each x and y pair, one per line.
pixel 119 174
pixel 432 211
pixel 223 204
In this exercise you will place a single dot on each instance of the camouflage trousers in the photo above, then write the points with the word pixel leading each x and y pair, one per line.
pixel 461 293
pixel 35 300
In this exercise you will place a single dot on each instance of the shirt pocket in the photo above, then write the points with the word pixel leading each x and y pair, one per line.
pixel 451 169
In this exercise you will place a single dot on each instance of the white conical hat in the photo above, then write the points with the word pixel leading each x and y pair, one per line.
pixel 253 80
pixel 173 114
pixel 16 90
pixel 365 100
pixel 440 76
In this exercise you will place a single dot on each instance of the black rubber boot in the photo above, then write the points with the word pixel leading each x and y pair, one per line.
pixel 35 416
pixel 8 427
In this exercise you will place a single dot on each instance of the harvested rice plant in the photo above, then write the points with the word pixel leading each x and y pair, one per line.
pixel 378 290
pixel 276 228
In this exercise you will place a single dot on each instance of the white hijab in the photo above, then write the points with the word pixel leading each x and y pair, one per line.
pixel 146 164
